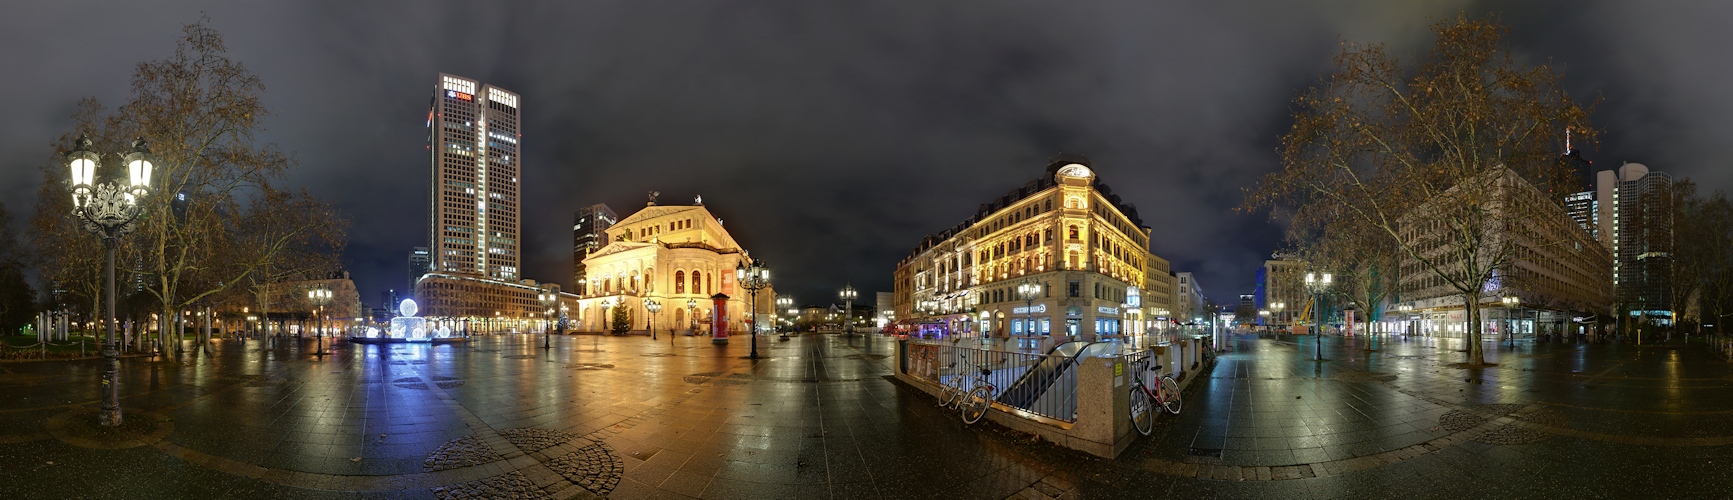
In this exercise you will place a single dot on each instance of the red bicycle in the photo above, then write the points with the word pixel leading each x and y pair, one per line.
pixel 1143 412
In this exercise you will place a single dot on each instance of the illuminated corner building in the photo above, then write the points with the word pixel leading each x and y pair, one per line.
pixel 1064 232
pixel 589 234
pixel 1637 218
pixel 1282 281
pixel 473 144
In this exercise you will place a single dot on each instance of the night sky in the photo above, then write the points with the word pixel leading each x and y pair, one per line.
pixel 830 136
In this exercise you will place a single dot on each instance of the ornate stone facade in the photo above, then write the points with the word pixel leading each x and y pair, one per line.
pixel 672 255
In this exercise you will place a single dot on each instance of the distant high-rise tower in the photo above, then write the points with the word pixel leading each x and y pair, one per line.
pixel 419 263
pixel 1581 204
pixel 1636 222
pixel 473 142
pixel 589 233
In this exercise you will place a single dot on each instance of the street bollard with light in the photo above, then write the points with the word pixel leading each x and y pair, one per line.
pixel 109 210
pixel 320 297
pixel 1318 287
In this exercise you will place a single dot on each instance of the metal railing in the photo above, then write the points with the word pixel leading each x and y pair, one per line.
pixel 1043 385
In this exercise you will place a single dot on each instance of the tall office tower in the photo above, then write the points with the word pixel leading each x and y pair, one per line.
pixel 420 260
pixel 1580 204
pixel 589 233
pixel 473 139
pixel 1637 216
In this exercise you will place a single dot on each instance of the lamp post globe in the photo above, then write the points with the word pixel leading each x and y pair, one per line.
pixel 110 211
pixel 691 322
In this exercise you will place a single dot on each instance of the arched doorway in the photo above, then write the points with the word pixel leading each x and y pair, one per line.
pixel 679 319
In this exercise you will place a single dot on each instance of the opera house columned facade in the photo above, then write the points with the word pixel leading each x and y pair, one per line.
pixel 678 256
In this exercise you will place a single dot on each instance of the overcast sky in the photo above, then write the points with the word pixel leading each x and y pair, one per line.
pixel 832 135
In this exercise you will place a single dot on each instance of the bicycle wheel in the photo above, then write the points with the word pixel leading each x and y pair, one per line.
pixel 1142 415
pixel 948 392
pixel 1170 395
pixel 975 404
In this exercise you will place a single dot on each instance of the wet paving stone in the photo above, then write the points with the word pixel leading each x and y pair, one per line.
pixel 820 419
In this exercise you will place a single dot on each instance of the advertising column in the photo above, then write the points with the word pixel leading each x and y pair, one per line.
pixel 719 319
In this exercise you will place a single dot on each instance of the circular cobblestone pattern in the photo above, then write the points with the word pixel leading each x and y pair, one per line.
pixel 1513 434
pixel 594 467
pixel 530 439
pixel 509 485
pixel 461 452
pixel 699 378
pixel 589 366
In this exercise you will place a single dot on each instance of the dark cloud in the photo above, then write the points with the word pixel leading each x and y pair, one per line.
pixel 832 135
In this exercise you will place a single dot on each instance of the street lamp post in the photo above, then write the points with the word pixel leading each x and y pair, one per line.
pixel 691 322
pixel 110 211
pixel 754 276
pixel 1509 302
pixel 549 299
pixel 320 297
pixel 1276 310
pixel 848 295
pixel 786 303
pixel 1028 290
pixel 1318 287
pixel 650 322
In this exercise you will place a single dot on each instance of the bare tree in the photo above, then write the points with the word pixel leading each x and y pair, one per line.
pixel 216 216
pixel 1423 155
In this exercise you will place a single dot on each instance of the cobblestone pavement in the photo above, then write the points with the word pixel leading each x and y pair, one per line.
pixel 819 418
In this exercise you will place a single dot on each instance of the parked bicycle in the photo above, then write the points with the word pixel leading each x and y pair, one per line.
pixel 979 399
pixel 1166 394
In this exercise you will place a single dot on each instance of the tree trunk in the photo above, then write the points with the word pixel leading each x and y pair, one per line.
pixel 1471 334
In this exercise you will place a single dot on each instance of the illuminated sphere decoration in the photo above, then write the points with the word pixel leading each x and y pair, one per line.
pixel 407 308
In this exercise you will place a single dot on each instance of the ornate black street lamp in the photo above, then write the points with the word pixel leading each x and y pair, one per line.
pixel 754 277
pixel 109 210
pixel 1318 287
pixel 650 323
pixel 550 299
pixel 848 295
pixel 786 303
pixel 320 297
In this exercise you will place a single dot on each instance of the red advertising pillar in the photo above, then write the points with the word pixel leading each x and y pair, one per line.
pixel 719 319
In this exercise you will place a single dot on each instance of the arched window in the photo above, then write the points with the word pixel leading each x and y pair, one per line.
pixel 634 281
pixel 1072 260
pixel 695 281
pixel 1073 232
pixel 650 279
pixel 679 282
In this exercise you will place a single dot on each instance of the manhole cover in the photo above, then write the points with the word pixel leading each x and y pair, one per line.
pixel 521 356
pixel 658 355
pixel 589 366
pixel 699 378
pixel 410 383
